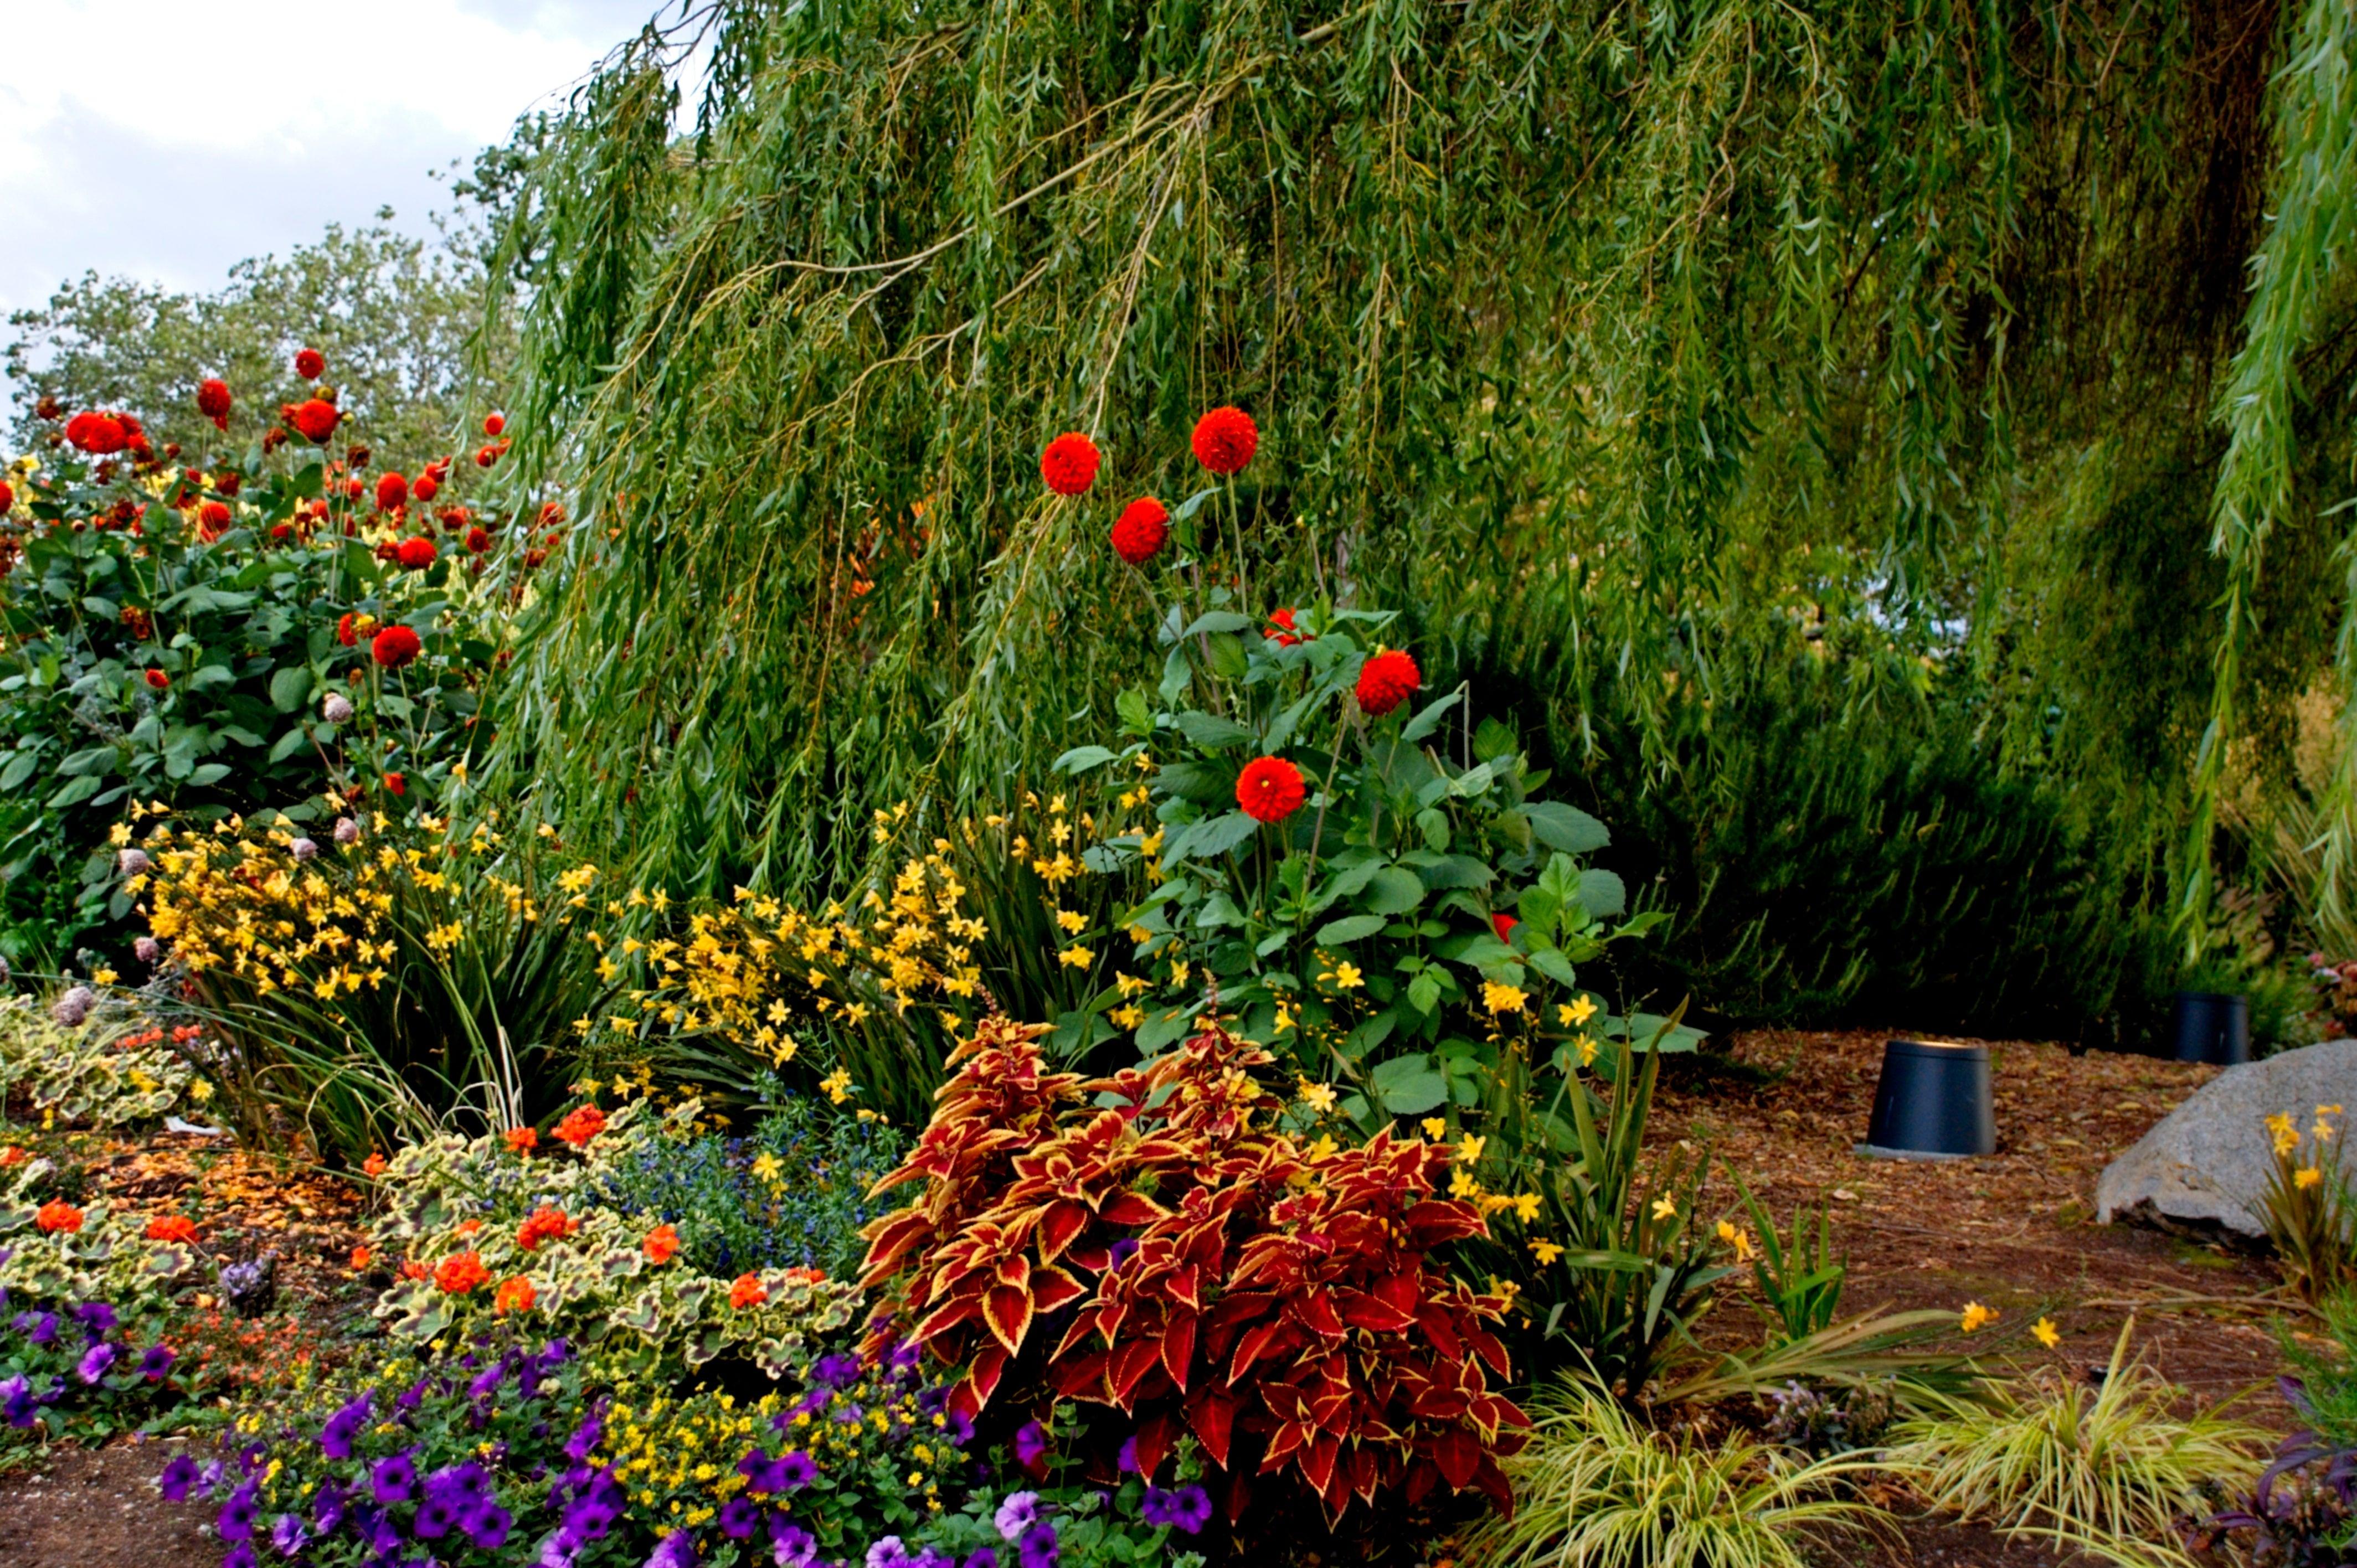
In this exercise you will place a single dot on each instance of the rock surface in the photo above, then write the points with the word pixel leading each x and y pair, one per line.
pixel 2209 1161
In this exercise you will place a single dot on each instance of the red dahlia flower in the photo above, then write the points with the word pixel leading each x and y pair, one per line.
pixel 310 364
pixel 396 784
pixel 394 646
pixel 1141 530
pixel 213 520
pixel 416 553
pixel 1386 681
pixel 212 401
pixel 1070 464
pixel 317 419
pixel 486 456
pixel 7 499
pixel 391 491
pixel 99 434
pixel 1282 629
pixel 424 487
pixel 158 679
pixel 1269 789
pixel 1225 439
pixel 478 541
pixel 493 424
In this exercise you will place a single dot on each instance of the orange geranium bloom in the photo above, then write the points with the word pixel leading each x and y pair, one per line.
pixel 581 1125
pixel 55 1215
pixel 660 1244
pixel 748 1291
pixel 521 1140
pixel 171 1228
pixel 515 1296
pixel 361 1256
pixel 461 1273
pixel 546 1225
pixel 414 1270
pixel 374 1167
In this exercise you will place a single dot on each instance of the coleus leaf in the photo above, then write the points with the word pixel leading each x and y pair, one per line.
pixel 1007 1312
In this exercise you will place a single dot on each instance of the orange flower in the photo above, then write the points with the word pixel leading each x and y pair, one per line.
pixel 12 1156
pixel 581 1125
pixel 661 1242
pixel 806 1276
pixel 515 1296
pixel 521 1140
pixel 171 1228
pixel 468 1226
pixel 374 1167
pixel 461 1273
pixel 546 1225
pixel 361 1257
pixel 414 1270
pixel 55 1216
pixel 748 1291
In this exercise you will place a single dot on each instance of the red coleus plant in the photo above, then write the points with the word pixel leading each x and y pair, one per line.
pixel 1140 1242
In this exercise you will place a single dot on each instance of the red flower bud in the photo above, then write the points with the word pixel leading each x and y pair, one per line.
pixel 310 364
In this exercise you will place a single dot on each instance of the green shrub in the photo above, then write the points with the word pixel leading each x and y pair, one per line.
pixel 175 637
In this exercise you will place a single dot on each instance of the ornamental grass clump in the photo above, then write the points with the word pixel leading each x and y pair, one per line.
pixel 1153 1244
pixel 1595 1488
pixel 2106 1467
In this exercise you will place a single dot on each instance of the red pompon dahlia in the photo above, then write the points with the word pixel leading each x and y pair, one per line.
pixel 493 424
pixel 416 553
pixel 391 491
pixel 1141 530
pixel 486 456
pixel 1270 790
pixel 478 541
pixel 213 520
pixel 317 419
pixel 213 401
pixel 1386 681
pixel 394 646
pixel 396 784
pixel 1282 629
pixel 8 499
pixel 1070 464
pixel 99 434
pixel 310 364
pixel 158 679
pixel 1225 439
pixel 424 488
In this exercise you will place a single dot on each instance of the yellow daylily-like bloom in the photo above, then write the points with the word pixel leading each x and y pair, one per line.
pixel 2046 1333
pixel 1546 1251
pixel 1977 1317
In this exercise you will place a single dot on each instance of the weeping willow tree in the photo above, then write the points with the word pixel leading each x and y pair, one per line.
pixel 1630 349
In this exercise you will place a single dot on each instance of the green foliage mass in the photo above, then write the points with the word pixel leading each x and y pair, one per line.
pixel 1623 343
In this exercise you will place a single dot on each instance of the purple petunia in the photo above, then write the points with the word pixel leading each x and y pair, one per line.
pixel 677 1551
pixel 793 1472
pixel 437 1517
pixel 740 1518
pixel 17 1406
pixel 1030 1442
pixel 41 1327
pixel 889 1552
pixel 1190 1509
pixel 179 1480
pixel 837 1371
pixel 792 1546
pixel 96 1319
pixel 585 1439
pixel 155 1362
pixel 1039 1547
pixel 393 1478
pixel 240 1556
pixel 1127 1463
pixel 488 1526
pixel 958 1428
pixel 289 1535
pixel 328 1513
pixel 336 1438
pixel 983 1557
pixel 1017 1514
pixel 237 1515
pixel 96 1362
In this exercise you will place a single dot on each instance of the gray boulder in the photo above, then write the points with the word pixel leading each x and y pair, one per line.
pixel 2208 1162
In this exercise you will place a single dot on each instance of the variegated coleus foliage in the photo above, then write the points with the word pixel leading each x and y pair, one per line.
pixel 1152 1243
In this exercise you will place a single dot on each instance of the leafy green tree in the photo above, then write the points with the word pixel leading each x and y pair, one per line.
pixel 397 315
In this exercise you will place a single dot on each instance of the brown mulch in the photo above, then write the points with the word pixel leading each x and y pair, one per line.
pixel 2013 1231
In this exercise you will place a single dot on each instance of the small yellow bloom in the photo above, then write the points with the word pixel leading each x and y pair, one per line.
pixel 1581 1011
pixel 1502 998
pixel 1076 958
pixel 1665 1208
pixel 1434 1128
pixel 1469 1151
pixel 2308 1176
pixel 1318 1096
pixel 1526 1207
pixel 1546 1253
pixel 1738 1238
pixel 1071 922
pixel 2046 1333
pixel 1347 977
pixel 1977 1318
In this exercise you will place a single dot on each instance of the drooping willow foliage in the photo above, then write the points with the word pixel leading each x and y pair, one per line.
pixel 1660 360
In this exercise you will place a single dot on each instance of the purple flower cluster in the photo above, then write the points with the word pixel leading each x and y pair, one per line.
pixel 100 1355
pixel 1186 1508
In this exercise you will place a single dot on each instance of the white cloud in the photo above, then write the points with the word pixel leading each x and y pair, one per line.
pixel 136 139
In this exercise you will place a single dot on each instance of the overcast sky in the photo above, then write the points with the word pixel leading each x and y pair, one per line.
pixel 164 140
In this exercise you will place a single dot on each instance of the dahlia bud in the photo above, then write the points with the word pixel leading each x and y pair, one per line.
pixel 146 950
pixel 132 862
pixel 74 1006
pixel 347 832
pixel 337 708
pixel 302 850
